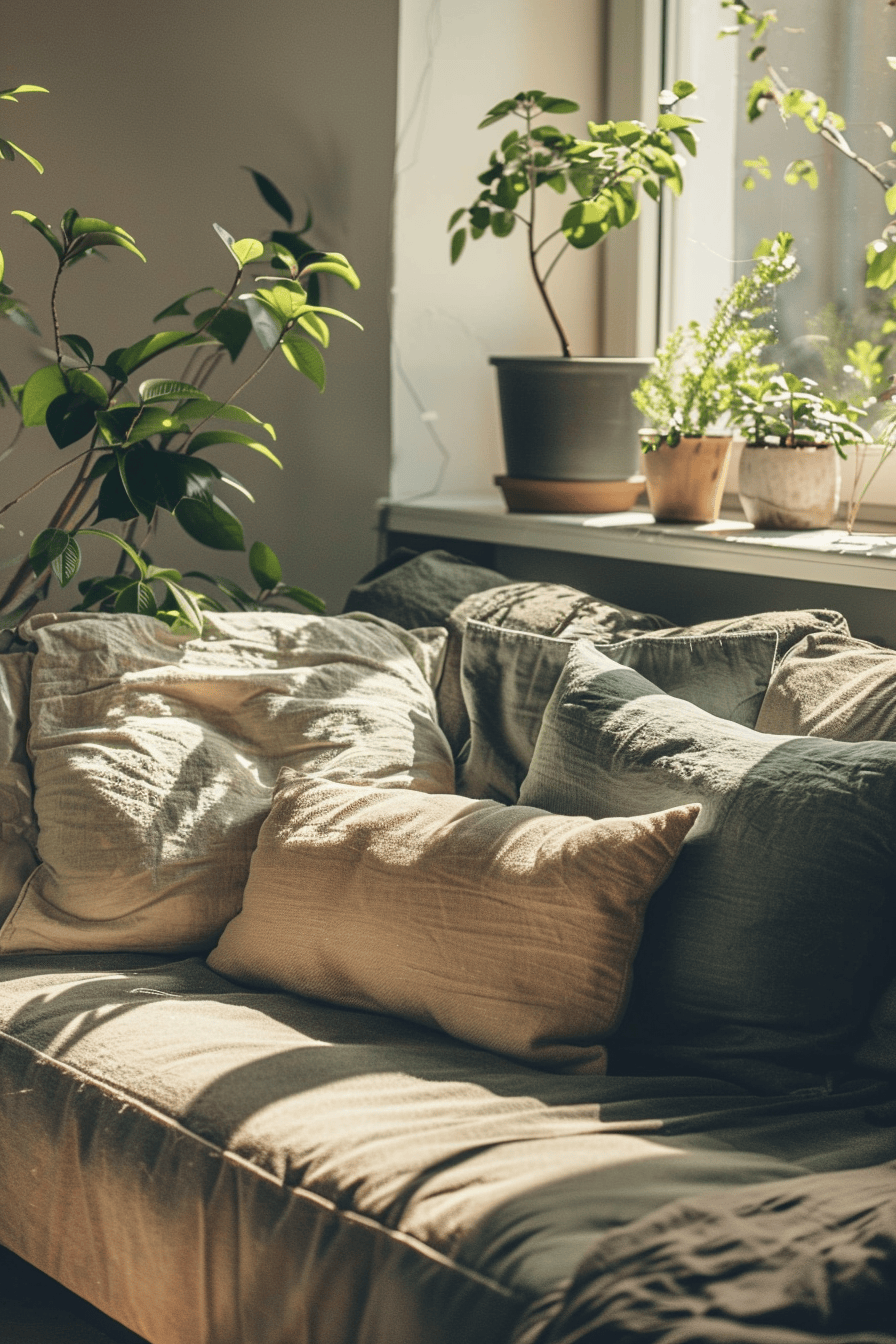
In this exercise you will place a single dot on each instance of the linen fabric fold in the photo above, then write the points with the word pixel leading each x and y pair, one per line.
pixel 508 677
pixel 155 757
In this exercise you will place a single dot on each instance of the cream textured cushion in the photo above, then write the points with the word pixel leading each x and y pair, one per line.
pixel 832 686
pixel 18 825
pixel 507 927
pixel 155 757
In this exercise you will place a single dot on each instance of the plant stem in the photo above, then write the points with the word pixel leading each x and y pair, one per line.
pixel 533 262
pixel 55 314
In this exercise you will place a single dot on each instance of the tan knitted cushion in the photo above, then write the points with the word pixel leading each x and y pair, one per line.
pixel 508 927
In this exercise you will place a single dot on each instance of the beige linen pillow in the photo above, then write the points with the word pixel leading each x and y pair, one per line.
pixel 507 927
pixel 830 685
pixel 155 757
pixel 18 825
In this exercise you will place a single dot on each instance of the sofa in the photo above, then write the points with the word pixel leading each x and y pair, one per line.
pixel 488 963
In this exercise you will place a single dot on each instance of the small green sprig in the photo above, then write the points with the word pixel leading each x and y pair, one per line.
pixel 698 368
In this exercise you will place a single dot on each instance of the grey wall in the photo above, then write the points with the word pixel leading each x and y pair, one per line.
pixel 151 113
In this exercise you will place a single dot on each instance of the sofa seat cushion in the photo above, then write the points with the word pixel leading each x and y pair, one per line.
pixel 155 757
pixel 211 1165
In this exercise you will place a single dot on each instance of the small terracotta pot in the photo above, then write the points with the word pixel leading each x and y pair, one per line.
pixel 685 484
pixel 789 488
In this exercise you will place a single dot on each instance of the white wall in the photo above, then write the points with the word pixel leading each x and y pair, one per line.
pixel 457 58
pixel 151 113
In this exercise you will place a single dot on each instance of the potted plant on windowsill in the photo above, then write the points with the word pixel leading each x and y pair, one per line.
pixel 691 389
pixel 569 419
pixel 795 439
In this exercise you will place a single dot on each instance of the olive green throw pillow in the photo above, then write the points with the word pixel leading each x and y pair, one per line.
pixel 764 949
pixel 503 926
pixel 508 677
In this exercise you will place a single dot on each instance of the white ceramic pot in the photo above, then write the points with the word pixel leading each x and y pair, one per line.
pixel 790 488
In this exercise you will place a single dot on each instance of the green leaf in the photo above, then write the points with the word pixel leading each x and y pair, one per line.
pixel 80 347
pixel 43 229
pixel 458 240
pixel 155 479
pixel 682 88
pixel 168 389
pixel 8 151
pixel 213 436
pixel 70 417
pixel 316 327
pixel 223 410
pixel 138 597
pixel 273 197
pixel 502 222
pixel 586 222
pixel 558 105
pixel 265 567
pixel 231 328
pixel 333 263
pixel 881 268
pixel 333 312
pixel 302 596
pixel 87 232
pixel 801 170
pixel 9 94
pixel 66 565
pixel 79 380
pixel 119 541
pixel 188 606
pixel 305 357
pixel 687 139
pixel 207 520
pixel 113 500
pixel 498 112
pixel 890 199
pixel 43 387
pixel 179 307
pixel 129 423
pixel 458 214
pixel 122 363
pixel 45 547
pixel 247 249
pixel 266 327
pixel 759 94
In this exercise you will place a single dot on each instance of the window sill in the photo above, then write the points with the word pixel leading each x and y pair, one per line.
pixel 863 560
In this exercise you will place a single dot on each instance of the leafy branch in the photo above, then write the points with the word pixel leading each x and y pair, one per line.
pixel 605 173
pixel 145 450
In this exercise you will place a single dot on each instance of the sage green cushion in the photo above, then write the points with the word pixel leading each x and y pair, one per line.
pixel 763 950
pixel 508 677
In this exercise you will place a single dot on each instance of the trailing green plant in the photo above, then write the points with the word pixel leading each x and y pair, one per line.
pixel 774 408
pixel 697 369
pixel 605 173
pixel 142 448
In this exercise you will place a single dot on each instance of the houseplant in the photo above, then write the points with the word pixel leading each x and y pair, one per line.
pixel 566 418
pixel 691 387
pixel 795 438
pixel 143 449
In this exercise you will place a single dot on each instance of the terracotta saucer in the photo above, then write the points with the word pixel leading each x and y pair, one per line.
pixel 530 496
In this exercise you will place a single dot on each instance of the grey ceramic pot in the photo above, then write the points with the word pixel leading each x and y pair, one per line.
pixel 570 419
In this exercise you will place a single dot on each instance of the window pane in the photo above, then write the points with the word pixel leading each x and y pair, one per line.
pixel 839 51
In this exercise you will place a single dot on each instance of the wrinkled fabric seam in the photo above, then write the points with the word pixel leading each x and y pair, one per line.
pixel 298 1192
